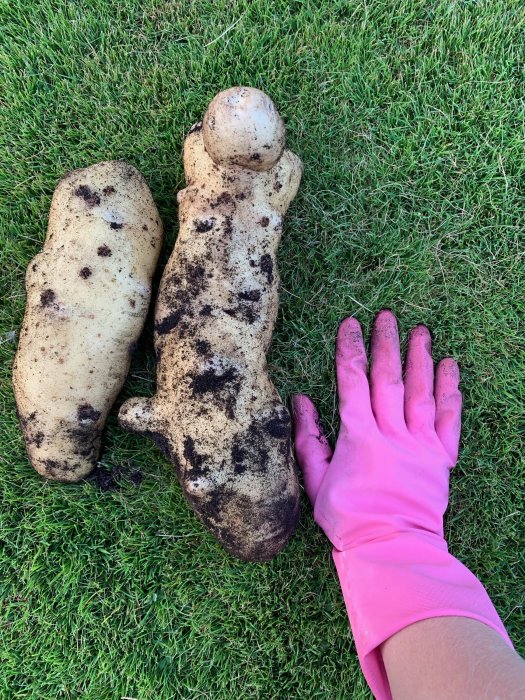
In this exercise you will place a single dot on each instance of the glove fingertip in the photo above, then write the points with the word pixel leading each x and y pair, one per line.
pixel 303 407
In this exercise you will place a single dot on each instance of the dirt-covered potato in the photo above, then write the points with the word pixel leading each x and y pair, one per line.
pixel 88 293
pixel 216 414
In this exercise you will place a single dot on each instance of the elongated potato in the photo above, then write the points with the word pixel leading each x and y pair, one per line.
pixel 216 414
pixel 88 293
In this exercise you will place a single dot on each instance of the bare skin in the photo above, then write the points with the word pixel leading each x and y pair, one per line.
pixel 446 658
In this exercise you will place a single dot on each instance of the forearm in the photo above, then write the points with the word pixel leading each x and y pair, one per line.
pixel 446 658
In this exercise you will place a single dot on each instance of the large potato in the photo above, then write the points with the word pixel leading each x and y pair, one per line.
pixel 216 413
pixel 88 293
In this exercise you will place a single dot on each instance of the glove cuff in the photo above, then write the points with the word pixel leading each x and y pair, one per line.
pixel 390 584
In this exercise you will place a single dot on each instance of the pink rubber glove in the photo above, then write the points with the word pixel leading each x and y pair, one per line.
pixel 381 496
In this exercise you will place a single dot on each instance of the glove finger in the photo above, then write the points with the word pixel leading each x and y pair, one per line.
pixel 312 449
pixel 420 407
pixel 386 381
pixel 352 383
pixel 448 406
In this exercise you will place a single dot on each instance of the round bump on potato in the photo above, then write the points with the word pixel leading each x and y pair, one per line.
pixel 242 127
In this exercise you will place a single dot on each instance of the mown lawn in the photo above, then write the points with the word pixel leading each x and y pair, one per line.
pixel 409 117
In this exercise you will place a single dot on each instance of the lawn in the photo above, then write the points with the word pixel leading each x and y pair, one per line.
pixel 409 118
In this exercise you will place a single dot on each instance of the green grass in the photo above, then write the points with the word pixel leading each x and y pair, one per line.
pixel 409 117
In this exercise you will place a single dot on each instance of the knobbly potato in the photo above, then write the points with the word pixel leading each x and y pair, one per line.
pixel 88 293
pixel 216 414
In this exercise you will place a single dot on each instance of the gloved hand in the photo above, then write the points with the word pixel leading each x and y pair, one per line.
pixel 381 496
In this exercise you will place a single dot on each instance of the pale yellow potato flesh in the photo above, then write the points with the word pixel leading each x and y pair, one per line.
pixel 216 414
pixel 88 293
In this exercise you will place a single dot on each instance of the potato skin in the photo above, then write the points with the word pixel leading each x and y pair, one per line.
pixel 216 415
pixel 88 293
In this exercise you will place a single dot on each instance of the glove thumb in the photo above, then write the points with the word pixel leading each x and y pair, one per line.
pixel 311 446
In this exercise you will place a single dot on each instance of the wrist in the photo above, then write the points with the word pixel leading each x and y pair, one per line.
pixel 350 533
